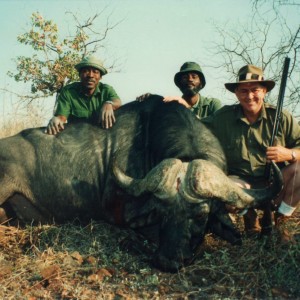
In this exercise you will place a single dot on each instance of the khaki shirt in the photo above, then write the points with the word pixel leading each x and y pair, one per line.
pixel 206 106
pixel 244 143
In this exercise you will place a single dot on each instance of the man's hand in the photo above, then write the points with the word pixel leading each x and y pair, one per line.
pixel 107 115
pixel 143 97
pixel 278 154
pixel 55 125
pixel 178 99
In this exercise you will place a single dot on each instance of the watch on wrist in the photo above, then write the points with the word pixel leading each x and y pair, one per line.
pixel 294 157
pixel 110 102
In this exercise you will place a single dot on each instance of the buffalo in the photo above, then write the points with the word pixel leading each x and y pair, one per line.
pixel 157 167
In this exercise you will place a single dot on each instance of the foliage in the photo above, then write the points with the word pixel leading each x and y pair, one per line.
pixel 52 64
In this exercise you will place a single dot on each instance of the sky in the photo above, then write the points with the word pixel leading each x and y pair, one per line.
pixel 150 43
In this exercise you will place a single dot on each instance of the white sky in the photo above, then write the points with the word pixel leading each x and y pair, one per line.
pixel 150 44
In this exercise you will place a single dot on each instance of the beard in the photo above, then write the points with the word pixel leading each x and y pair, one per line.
pixel 190 91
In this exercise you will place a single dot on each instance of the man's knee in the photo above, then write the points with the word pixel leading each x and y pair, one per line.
pixel 292 171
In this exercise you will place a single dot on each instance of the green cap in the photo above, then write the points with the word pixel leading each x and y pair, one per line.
pixel 190 67
pixel 91 61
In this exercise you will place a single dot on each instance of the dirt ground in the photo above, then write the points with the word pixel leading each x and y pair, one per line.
pixel 95 262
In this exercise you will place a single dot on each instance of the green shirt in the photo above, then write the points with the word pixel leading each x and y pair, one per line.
pixel 244 143
pixel 75 105
pixel 206 106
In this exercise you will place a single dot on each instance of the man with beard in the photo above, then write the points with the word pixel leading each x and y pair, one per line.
pixel 88 100
pixel 190 80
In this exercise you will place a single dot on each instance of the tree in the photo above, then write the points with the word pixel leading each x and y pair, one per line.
pixel 276 4
pixel 264 41
pixel 52 64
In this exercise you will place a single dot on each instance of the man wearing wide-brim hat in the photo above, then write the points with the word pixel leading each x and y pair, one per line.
pixel 190 80
pixel 86 101
pixel 245 130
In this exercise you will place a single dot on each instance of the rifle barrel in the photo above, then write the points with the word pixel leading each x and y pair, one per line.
pixel 278 110
pixel 280 98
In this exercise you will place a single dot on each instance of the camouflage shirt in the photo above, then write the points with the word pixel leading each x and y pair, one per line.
pixel 75 105
pixel 206 106
pixel 244 143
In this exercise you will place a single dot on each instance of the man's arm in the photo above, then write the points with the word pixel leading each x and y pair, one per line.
pixel 56 124
pixel 216 104
pixel 178 99
pixel 62 111
pixel 281 154
pixel 165 99
pixel 291 150
pixel 116 103
pixel 107 112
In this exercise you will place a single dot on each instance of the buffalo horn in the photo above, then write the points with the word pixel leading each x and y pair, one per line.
pixel 160 180
pixel 205 180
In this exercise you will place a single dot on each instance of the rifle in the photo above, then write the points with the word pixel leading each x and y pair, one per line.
pixel 266 220
pixel 278 114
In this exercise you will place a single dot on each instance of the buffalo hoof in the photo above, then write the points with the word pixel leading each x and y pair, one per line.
pixel 227 233
pixel 137 244
pixel 166 265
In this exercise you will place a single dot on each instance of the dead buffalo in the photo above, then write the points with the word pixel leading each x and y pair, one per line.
pixel 158 166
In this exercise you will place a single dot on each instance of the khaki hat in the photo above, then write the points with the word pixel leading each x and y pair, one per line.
pixel 253 74
pixel 189 67
pixel 91 61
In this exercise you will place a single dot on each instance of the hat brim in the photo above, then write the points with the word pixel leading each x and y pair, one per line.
pixel 102 70
pixel 269 84
pixel 179 74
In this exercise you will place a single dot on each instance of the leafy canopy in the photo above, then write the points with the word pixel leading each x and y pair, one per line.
pixel 52 64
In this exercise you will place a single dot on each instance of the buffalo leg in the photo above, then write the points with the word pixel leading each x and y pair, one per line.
pixel 267 220
pixel 25 210
pixel 8 188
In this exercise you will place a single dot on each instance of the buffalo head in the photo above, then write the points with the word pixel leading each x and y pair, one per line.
pixel 189 193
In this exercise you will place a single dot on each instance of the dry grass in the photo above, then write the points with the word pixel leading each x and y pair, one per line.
pixel 32 115
pixel 86 262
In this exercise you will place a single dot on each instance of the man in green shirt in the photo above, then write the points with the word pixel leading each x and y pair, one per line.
pixel 190 80
pixel 88 100
pixel 244 131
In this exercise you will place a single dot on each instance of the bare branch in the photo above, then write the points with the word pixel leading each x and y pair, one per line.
pixel 253 43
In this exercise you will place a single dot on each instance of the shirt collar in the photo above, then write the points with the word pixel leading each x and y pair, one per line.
pixel 197 103
pixel 240 114
pixel 97 90
pixel 204 101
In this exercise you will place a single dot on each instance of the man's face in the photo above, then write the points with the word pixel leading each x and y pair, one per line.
pixel 190 84
pixel 251 96
pixel 89 78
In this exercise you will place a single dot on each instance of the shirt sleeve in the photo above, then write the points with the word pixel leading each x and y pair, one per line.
pixel 111 94
pixel 292 130
pixel 209 121
pixel 215 105
pixel 63 106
